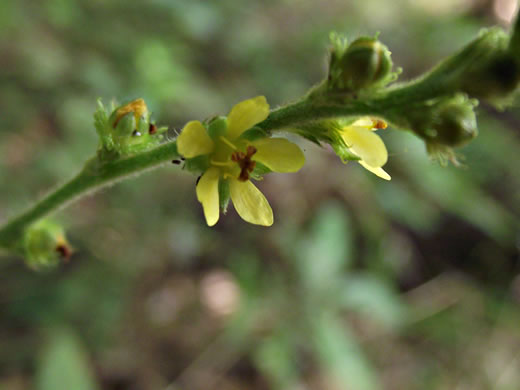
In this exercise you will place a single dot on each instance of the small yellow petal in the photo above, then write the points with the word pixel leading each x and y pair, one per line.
pixel 207 194
pixel 278 154
pixel 370 123
pixel 366 145
pixel 364 122
pixel 250 203
pixel 376 171
pixel 194 140
pixel 245 115
pixel 137 106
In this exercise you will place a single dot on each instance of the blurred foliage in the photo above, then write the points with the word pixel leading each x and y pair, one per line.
pixel 360 284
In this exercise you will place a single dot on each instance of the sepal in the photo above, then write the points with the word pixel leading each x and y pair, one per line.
pixel 217 126
pixel 197 165
pixel 224 195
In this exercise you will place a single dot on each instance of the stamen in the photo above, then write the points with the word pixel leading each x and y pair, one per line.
pixel 250 151
pixel 228 143
pixel 221 163
pixel 244 162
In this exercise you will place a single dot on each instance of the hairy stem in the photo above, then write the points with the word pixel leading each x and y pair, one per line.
pixel 94 176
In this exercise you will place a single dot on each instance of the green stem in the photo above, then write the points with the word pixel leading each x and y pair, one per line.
pixel 94 176
pixel 306 111
pixel 388 104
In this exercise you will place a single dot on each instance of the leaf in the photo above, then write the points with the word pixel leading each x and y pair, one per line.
pixel 341 356
pixel 373 297
pixel 327 248
pixel 274 356
pixel 64 364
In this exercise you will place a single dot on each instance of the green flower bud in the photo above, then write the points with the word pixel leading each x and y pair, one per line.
pixel 447 121
pixel 44 245
pixel 487 68
pixel 495 79
pixel 127 130
pixel 365 63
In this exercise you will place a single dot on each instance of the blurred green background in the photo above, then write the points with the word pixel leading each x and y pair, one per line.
pixel 360 284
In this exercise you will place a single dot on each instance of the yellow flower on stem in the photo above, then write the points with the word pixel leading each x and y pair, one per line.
pixel 368 146
pixel 233 158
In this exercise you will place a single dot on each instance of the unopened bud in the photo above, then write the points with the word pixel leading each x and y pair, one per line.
pixel 127 130
pixel 497 78
pixel 365 63
pixel 487 68
pixel 131 119
pixel 448 121
pixel 45 245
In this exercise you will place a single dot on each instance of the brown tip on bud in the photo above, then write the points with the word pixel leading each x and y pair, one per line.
pixel 64 251
pixel 152 129
pixel 379 124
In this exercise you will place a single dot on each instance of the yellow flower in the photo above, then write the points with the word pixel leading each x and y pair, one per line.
pixel 365 144
pixel 232 159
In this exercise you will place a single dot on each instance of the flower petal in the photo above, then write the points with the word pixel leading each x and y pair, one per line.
pixel 376 171
pixel 365 122
pixel 366 145
pixel 207 194
pixel 250 203
pixel 278 154
pixel 194 140
pixel 370 123
pixel 245 115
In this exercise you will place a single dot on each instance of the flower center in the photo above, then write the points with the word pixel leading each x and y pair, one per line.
pixel 244 162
